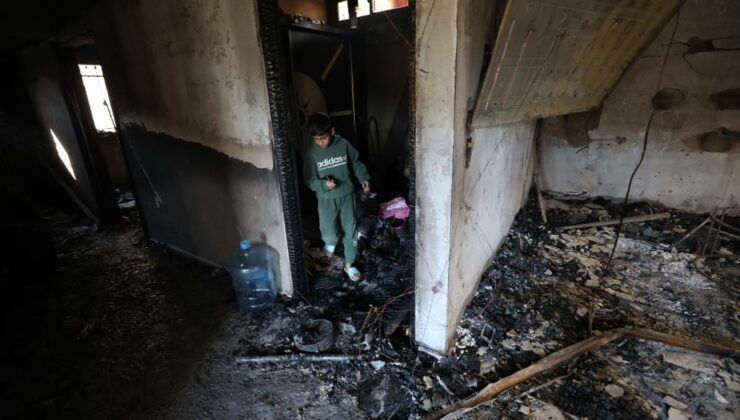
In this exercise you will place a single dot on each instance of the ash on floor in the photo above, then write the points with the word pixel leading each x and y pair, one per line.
pixel 538 297
pixel 125 328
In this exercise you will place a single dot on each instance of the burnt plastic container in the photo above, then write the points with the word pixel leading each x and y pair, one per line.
pixel 254 275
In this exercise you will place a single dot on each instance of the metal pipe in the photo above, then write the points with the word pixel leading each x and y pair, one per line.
pixel 719 230
pixel 709 233
pixel 300 358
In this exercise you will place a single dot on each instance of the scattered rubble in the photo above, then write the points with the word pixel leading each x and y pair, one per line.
pixel 614 390
pixel 546 289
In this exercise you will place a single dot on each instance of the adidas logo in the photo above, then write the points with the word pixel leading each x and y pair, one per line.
pixel 332 162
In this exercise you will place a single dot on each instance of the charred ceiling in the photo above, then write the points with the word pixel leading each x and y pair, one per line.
pixel 26 23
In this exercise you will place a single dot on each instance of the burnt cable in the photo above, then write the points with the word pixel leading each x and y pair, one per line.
pixel 618 230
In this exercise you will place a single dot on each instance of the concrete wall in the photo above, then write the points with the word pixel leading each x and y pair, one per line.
pixel 489 192
pixel 436 44
pixel 189 87
pixel 684 167
pixel 494 188
pixel 463 214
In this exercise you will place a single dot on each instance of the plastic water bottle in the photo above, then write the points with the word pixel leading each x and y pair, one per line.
pixel 253 272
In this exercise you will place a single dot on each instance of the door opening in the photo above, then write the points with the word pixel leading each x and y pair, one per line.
pixel 99 123
pixel 359 72
pixel 105 128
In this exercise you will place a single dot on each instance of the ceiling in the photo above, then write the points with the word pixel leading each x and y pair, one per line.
pixel 28 22
pixel 555 57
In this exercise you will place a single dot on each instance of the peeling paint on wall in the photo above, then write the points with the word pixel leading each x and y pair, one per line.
pixel 194 71
pixel 188 83
pixel 667 98
pixel 726 99
pixel 691 161
pixel 719 140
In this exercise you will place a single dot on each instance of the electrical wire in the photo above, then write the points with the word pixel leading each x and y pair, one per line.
pixel 618 230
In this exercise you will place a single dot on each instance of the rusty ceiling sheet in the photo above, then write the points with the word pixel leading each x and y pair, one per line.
pixel 555 57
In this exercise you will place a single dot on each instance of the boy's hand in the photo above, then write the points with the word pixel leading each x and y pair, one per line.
pixel 366 186
pixel 330 184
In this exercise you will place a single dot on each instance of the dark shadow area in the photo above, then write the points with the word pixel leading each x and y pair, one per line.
pixel 360 77
pixel 726 99
pixel 667 98
pixel 110 332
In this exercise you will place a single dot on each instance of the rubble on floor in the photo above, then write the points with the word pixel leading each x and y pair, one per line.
pixel 127 301
pixel 371 317
pixel 111 329
pixel 540 295
pixel 547 288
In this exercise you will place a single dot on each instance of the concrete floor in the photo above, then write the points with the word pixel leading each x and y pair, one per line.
pixel 127 329
pixel 124 328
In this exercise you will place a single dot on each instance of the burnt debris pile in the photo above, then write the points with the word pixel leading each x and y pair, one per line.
pixel 550 287
pixel 347 348
pixel 382 301
pixel 372 318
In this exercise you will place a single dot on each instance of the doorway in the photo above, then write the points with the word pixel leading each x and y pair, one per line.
pixel 98 122
pixel 358 70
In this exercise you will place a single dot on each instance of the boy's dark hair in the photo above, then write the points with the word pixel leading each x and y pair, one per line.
pixel 319 123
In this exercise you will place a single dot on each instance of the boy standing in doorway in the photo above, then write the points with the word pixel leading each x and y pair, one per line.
pixel 330 165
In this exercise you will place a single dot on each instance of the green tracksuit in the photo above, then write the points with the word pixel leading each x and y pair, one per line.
pixel 340 161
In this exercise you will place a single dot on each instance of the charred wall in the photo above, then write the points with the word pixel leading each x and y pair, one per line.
pixel 386 71
pixel 188 83
pixel 197 199
pixel 692 156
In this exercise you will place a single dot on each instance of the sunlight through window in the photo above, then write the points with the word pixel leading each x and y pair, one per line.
pixel 97 96
pixel 363 9
pixel 63 155
pixel 383 5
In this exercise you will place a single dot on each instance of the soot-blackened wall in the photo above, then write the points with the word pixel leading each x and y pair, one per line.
pixel 693 152
pixel 189 87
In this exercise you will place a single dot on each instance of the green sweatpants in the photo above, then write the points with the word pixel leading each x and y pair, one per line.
pixel 344 207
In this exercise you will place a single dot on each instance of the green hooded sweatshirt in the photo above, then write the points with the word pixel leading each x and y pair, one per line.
pixel 340 161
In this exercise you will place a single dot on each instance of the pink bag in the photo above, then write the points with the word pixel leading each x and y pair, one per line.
pixel 396 208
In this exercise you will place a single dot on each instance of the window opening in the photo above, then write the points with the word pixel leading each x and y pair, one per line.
pixel 383 5
pixel 97 97
pixel 363 9
pixel 366 7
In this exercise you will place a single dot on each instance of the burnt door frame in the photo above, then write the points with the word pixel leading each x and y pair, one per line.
pixel 282 118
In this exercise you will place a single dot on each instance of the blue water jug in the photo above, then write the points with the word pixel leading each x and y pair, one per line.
pixel 253 271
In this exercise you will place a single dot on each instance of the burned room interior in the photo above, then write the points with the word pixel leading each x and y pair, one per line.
pixel 543 194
